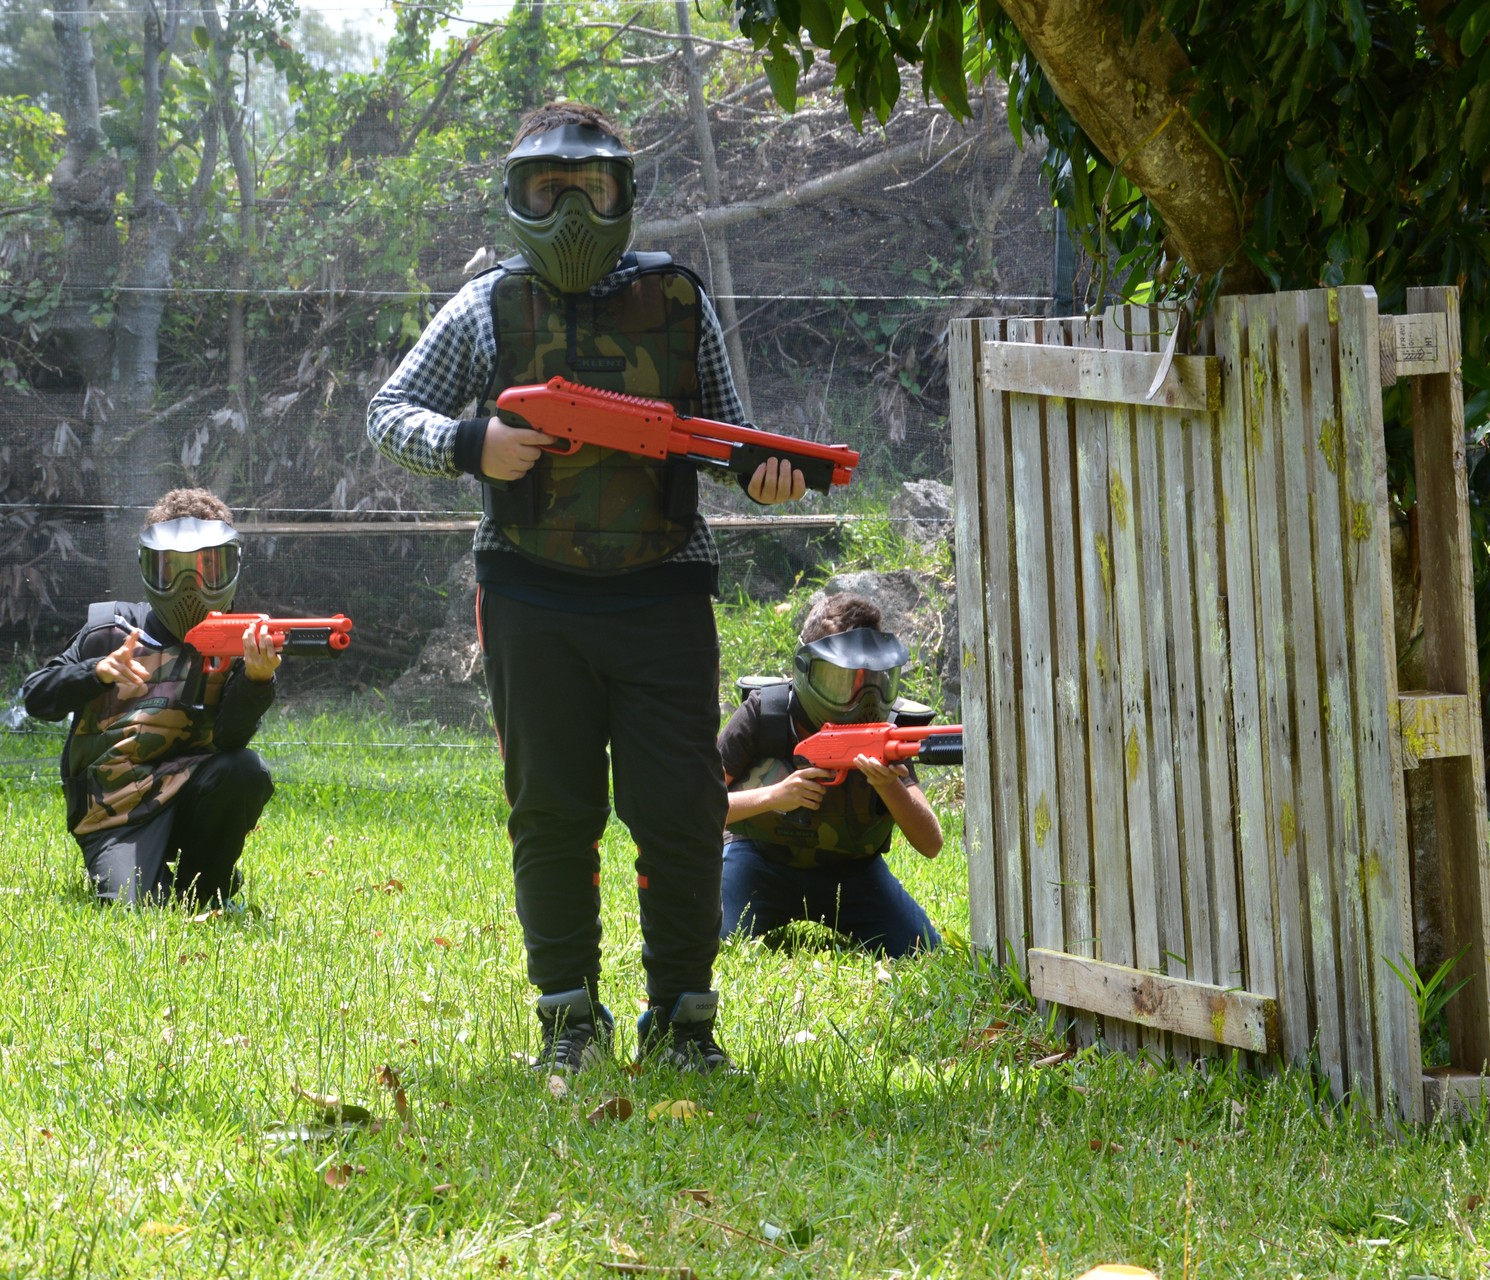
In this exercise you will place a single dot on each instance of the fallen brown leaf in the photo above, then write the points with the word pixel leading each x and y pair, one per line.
pixel 1055 1059
pixel 443 942
pixel 611 1109
pixel 338 1175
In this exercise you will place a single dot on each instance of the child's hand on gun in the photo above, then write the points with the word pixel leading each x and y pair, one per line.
pixel 880 775
pixel 121 669
pixel 260 658
pixel 800 791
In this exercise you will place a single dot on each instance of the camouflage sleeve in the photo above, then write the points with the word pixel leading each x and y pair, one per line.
pixel 244 702
pixel 67 683
pixel 413 418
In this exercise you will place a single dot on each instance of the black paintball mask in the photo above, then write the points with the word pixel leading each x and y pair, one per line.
pixel 190 568
pixel 852 677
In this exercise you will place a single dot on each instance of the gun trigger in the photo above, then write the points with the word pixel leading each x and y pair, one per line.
pixel 562 447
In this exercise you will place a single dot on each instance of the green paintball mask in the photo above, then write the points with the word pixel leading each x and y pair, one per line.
pixel 852 677
pixel 570 193
pixel 190 568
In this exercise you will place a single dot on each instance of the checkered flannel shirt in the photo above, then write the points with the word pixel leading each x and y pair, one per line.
pixel 412 419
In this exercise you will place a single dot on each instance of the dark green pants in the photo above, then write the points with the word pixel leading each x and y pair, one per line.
pixel 645 683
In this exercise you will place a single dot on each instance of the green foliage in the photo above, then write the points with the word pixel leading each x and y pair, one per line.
pixel 1431 995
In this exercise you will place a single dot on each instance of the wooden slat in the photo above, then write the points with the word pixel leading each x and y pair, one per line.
pixel 972 514
pixel 1042 816
pixel 1357 1070
pixel 1261 969
pixel 1156 559
pixel 1111 892
pixel 1414 345
pixel 1223 1015
pixel 1436 726
pixel 1450 664
pixel 1218 857
pixel 1132 659
pixel 1115 376
pixel 1070 720
pixel 1378 748
pixel 1261 384
pixel 1000 605
pixel 1312 877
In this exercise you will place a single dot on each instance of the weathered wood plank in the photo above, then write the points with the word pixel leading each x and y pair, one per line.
pixel 1186 711
pixel 1070 720
pixel 1000 605
pixel 1414 345
pixel 1042 817
pixel 1311 878
pixel 1217 859
pixel 1356 1071
pixel 1455 1090
pixel 1114 376
pixel 1378 748
pixel 964 374
pixel 1261 968
pixel 1112 903
pixel 1436 726
pixel 1239 1019
pixel 1450 664
pixel 1156 559
pixel 1133 679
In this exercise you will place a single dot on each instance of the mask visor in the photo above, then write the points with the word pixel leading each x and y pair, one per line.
pixel 844 686
pixel 214 567
pixel 534 186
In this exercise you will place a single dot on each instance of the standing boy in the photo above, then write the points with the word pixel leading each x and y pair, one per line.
pixel 595 573
pixel 157 766
pixel 798 849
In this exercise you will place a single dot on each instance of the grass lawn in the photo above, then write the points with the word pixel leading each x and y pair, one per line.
pixel 895 1120
pixel 166 1083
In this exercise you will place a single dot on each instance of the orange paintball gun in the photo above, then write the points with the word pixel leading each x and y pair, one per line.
pixel 580 415
pixel 837 746
pixel 219 636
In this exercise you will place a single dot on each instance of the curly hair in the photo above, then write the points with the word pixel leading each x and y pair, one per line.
pixel 555 115
pixel 842 612
pixel 180 503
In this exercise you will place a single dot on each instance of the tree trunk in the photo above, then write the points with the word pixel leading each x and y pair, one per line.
pixel 716 243
pixel 1123 95
pixel 84 187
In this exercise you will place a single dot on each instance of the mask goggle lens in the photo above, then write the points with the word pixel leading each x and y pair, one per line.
pixel 534 187
pixel 213 567
pixel 843 686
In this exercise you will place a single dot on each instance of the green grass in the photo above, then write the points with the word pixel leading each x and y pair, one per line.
pixel 898 1119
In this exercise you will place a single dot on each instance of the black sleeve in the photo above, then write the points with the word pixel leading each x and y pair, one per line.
pixel 68 683
pixel 244 702
pixel 737 740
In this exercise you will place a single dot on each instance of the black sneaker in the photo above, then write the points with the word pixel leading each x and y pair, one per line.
pixel 576 1033
pixel 684 1036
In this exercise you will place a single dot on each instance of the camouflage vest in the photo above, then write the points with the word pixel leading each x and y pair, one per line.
pixel 852 823
pixel 127 758
pixel 597 510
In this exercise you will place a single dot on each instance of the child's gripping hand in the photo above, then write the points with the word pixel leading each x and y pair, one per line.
pixel 122 669
pixel 775 481
pixel 880 775
pixel 260 658
pixel 800 791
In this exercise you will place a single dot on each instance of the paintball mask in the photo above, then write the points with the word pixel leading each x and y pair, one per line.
pixel 569 194
pixel 190 568
pixel 852 677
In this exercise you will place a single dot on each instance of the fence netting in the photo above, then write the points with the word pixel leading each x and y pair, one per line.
pixel 840 298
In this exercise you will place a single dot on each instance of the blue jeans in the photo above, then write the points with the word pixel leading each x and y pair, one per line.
pixel 862 900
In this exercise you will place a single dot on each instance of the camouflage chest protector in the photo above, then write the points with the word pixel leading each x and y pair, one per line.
pixel 599 511
pixel 126 758
pixel 851 824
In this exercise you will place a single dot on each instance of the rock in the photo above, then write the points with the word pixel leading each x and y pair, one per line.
pixel 923 511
